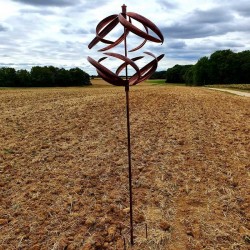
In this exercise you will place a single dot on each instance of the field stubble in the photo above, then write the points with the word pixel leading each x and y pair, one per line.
pixel 63 168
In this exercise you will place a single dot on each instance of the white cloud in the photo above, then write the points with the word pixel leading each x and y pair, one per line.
pixel 53 32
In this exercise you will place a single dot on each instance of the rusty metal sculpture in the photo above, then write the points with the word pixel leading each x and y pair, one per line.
pixel 103 29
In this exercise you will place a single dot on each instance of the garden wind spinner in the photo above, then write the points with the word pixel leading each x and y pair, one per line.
pixel 102 30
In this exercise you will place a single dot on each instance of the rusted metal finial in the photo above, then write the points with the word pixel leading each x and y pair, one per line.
pixel 124 9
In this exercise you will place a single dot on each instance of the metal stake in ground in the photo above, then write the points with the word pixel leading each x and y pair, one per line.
pixel 129 168
pixel 124 7
pixel 104 28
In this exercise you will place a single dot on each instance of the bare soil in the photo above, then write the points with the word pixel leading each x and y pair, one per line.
pixel 63 168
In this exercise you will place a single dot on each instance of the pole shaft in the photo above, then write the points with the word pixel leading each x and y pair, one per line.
pixel 128 135
pixel 129 168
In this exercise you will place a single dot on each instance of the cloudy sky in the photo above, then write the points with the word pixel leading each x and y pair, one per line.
pixel 57 32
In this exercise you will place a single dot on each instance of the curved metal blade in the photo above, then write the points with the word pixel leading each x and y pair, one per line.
pixel 137 31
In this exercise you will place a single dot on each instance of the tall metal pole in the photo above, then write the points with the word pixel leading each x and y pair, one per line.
pixel 102 29
pixel 128 135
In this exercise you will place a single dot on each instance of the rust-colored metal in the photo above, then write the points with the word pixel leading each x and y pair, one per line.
pixel 126 20
pixel 102 30
pixel 124 10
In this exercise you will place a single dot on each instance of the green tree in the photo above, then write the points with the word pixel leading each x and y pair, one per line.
pixel 244 69
pixel 220 66
pixel 177 73
pixel 23 78
pixel 8 77
pixel 79 77
pixel 201 74
pixel 189 76
pixel 159 75
pixel 63 78
pixel 41 77
pixel 174 74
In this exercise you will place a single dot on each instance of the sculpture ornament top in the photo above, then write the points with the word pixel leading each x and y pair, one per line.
pixel 125 19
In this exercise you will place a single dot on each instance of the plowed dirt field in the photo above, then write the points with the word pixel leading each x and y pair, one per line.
pixel 63 168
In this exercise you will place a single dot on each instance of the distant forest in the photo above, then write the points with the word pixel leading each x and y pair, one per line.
pixel 47 76
pixel 222 67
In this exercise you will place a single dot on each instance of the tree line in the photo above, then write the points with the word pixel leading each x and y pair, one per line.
pixel 47 76
pixel 221 67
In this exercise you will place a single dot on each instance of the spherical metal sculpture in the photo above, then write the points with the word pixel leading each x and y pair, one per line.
pixel 102 30
pixel 125 19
